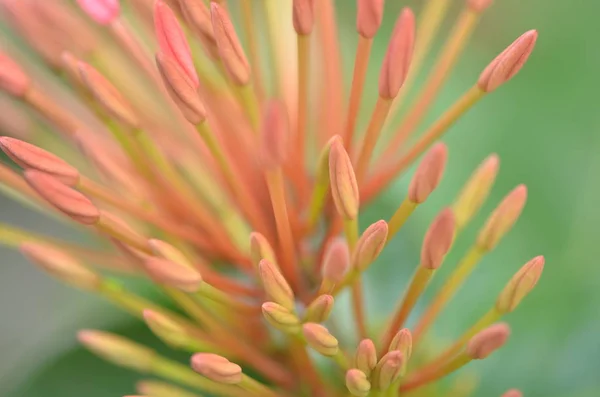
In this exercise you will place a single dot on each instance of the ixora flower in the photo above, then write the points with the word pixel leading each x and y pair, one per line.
pixel 234 183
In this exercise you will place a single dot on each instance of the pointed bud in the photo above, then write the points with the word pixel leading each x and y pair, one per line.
pixel 388 370
pixel 398 56
pixel 320 309
pixel 322 173
pixel 503 218
pixel 357 383
pixel 368 17
pixel 102 12
pixel 476 191
pixel 166 251
pixel 173 274
pixel 508 63
pixel 344 187
pixel 280 317
pixel 118 350
pixel 275 134
pixel 120 230
pixel 275 285
pixel 520 285
pixel 183 91
pixel 438 240
pixel 166 329
pixel 61 265
pixel 197 15
pixel 479 5
pixel 62 197
pixel 513 393
pixel 172 42
pixel 402 342
pixel 13 79
pixel 366 356
pixel 32 157
pixel 260 249
pixel 155 388
pixel 319 338
pixel 303 16
pixel 108 96
pixel 217 368
pixel 488 341
pixel 370 245
pixel 336 261
pixel 228 43
pixel 428 174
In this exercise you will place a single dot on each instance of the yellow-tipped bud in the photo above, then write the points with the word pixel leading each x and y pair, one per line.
pixel 388 369
pixel 118 350
pixel 503 218
pixel 280 317
pixel 217 368
pixel 319 338
pixel 173 274
pixel 488 341
pixel 320 309
pixel 358 383
pixel 520 285
pixel 370 245
pixel 275 285
pixel 366 356
pixel 344 187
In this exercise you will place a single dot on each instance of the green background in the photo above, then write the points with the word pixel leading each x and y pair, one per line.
pixel 544 126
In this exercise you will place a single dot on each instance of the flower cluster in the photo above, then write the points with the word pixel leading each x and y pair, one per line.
pixel 230 171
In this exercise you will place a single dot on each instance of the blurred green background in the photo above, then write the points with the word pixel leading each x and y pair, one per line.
pixel 544 125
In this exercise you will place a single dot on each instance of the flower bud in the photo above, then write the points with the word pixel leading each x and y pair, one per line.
pixel 513 393
pixel 503 218
pixel 428 174
pixel 319 338
pixel 438 240
pixel 344 187
pixel 336 261
pixel 275 285
pixel 366 356
pixel 166 329
pixel 388 370
pixel 166 251
pixel 118 350
pixel 488 341
pixel 173 274
pixel 398 57
pixel 479 5
pixel 370 245
pixel 319 309
pixel 13 79
pixel 358 383
pixel 280 317
pixel 303 16
pixel 275 134
pixel 368 17
pixel 260 249
pixel 102 12
pixel 520 285
pixel 217 368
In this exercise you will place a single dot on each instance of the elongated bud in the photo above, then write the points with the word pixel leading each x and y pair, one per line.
pixel 181 88
pixel 398 57
pixel 320 309
pixel 503 218
pixel 166 329
pixel 108 96
pixel 438 240
pixel 32 157
pixel 217 368
pixel 358 383
pixel 366 356
pixel 13 79
pixel 60 265
pixel 197 15
pixel 402 342
pixel 62 197
pixel 428 174
pixel 280 317
pixel 102 12
pixel 513 393
pixel 155 388
pixel 368 17
pixel 319 338
pixel 344 187
pixel 303 16
pixel 118 350
pixel 508 63
pixel 275 285
pixel 275 134
pixel 520 285
pixel 476 191
pixel 173 274
pixel 172 42
pixel 166 251
pixel 388 369
pixel 260 249
pixel 228 43
pixel 336 261
pixel 322 173
pixel 488 341
pixel 479 5
pixel 370 245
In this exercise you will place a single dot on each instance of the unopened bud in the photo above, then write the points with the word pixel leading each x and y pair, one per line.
pixel 102 12
pixel 508 63
pixel 260 249
pixel 520 285
pixel 369 245
pixel 167 251
pixel 303 16
pixel 228 43
pixel 428 174
pixel 479 5
pixel 398 57
pixel 358 383
pixel 368 17
pixel 275 285
pixel 488 341
pixel 217 368
pixel 320 309
pixel 344 187
pixel 388 370
pixel 173 274
pixel 438 240
pixel 366 356
pixel 336 261
pixel 166 329
pixel 319 338
pixel 503 218
pixel 13 79
pixel 118 350
pixel 402 342
pixel 197 15
pixel 280 317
